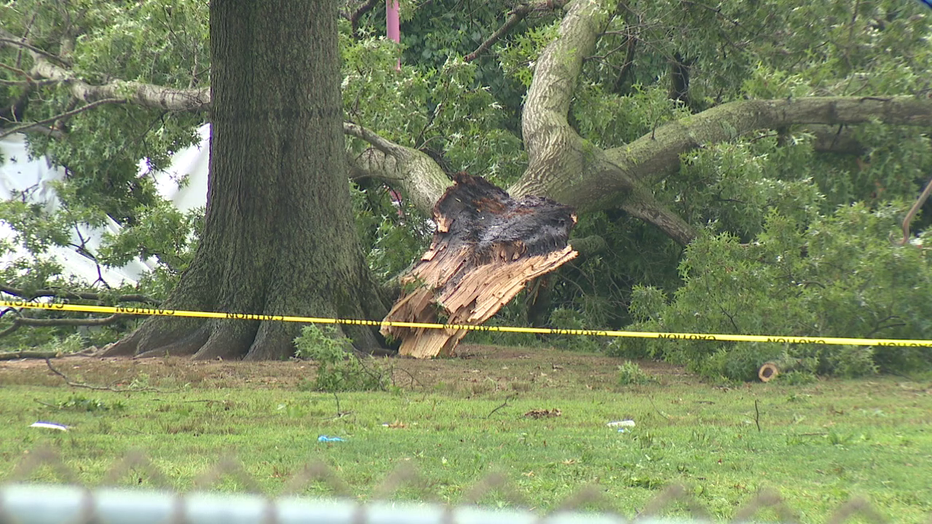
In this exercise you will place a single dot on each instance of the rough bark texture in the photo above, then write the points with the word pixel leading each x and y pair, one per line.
pixel 487 247
pixel 279 235
pixel 408 170
pixel 564 166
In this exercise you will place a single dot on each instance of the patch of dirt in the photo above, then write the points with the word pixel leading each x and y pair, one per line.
pixel 478 369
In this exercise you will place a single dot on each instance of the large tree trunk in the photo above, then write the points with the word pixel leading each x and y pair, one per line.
pixel 279 235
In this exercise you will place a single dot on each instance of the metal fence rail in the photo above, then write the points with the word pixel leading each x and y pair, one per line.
pixel 53 504
pixel 45 504
pixel 22 502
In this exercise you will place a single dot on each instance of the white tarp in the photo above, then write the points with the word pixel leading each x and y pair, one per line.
pixel 32 179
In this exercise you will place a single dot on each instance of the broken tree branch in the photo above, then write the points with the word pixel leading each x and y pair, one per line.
pixel 561 164
pixel 565 167
pixel 58 322
pixel 29 354
pixel 487 247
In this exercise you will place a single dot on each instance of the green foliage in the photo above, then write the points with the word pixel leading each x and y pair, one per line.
pixel 517 58
pixel 818 443
pixel 71 344
pixel 339 367
pixel 840 276
pixel 631 374
pixel 77 402
pixel 794 239
pixel 562 318
pixel 160 231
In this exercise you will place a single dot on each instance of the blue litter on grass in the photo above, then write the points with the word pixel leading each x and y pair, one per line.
pixel 325 438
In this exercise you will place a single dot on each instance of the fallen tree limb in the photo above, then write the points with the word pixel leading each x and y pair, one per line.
pixel 26 353
pixel 64 293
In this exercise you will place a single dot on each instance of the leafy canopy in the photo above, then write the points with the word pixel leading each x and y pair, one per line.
pixel 795 231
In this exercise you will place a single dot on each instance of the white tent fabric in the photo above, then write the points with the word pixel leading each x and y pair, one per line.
pixel 23 177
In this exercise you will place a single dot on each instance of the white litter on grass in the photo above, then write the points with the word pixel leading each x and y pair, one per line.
pixel 49 425
pixel 627 423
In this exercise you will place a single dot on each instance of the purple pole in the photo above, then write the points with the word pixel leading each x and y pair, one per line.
pixel 392 26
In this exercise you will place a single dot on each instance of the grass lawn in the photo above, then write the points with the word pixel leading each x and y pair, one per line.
pixel 457 421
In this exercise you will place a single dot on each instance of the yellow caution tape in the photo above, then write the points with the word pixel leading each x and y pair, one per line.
pixel 133 310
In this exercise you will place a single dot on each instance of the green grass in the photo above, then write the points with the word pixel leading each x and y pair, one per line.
pixel 819 445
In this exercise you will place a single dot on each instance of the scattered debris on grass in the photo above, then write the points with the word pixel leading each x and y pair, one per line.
pixel 543 413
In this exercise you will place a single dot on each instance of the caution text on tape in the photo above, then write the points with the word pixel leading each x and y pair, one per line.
pixel 723 337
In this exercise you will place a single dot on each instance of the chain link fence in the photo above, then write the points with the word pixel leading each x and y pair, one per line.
pixel 27 503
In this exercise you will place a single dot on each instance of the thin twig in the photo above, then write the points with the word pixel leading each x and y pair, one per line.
pixel 63 116
pixel 756 415
pixel 339 413
pixel 509 397
pixel 77 384
pixel 516 16
pixel 413 378
pixel 651 399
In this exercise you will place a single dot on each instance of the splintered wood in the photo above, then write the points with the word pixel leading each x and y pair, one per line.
pixel 487 247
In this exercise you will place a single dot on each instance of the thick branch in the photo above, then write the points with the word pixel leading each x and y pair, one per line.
pixel 138 93
pixel 146 95
pixel 70 322
pixel 357 15
pixel 654 156
pixel 559 65
pixel 564 166
pixel 417 175
pixel 644 206
pixel 561 164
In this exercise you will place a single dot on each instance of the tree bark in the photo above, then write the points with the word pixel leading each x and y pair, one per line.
pixel 487 247
pixel 279 235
